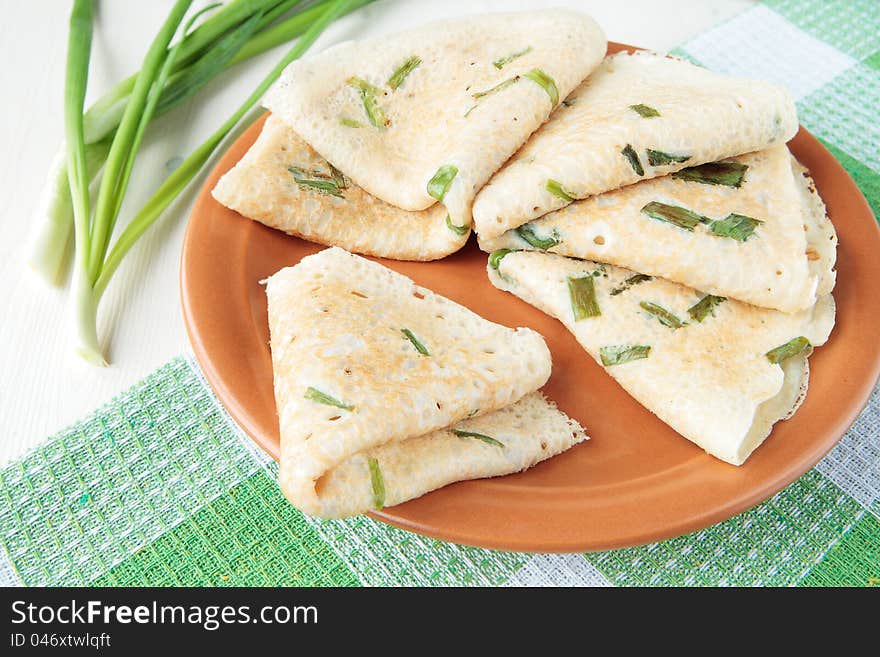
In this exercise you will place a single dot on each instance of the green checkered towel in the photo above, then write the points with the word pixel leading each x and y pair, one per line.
pixel 160 487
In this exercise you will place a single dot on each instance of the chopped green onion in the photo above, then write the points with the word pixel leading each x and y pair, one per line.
pixel 645 111
pixel 673 214
pixel 458 230
pixel 470 109
pixel 316 181
pixel 498 87
pixel 633 158
pixel 527 233
pixel 422 349
pixel 547 83
pixel 556 188
pixel 369 93
pixel 378 484
pixel 735 226
pixel 401 73
pixel 315 395
pixel 496 256
pixel 659 158
pixel 791 348
pixel 501 62
pixel 704 307
pixel 439 184
pixel 489 440
pixel 582 294
pixel 350 123
pixel 730 174
pixel 664 316
pixel 619 354
pixel 629 282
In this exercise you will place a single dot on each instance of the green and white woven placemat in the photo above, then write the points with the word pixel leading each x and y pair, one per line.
pixel 160 487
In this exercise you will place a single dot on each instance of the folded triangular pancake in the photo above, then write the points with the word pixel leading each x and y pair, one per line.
pixel 638 116
pixel 502 442
pixel 362 357
pixel 751 228
pixel 719 372
pixel 430 114
pixel 283 183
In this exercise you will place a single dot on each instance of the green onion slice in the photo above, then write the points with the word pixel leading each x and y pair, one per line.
pixel 659 158
pixel 439 184
pixel 527 233
pixel 547 83
pixel 664 316
pixel 422 349
pixel 315 395
pixel 673 214
pixel 624 353
pixel 791 348
pixel 633 158
pixel 397 78
pixel 582 294
pixel 496 257
pixel 369 95
pixel 319 182
pixel 736 226
pixel 629 282
pixel 479 436
pixel 730 174
pixel 556 188
pixel 501 62
pixel 378 484
pixel 350 123
pixel 704 307
pixel 498 87
pixel 645 111
pixel 458 230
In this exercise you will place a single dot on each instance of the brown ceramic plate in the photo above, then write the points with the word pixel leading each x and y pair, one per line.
pixel 637 480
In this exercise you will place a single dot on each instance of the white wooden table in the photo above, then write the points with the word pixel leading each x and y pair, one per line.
pixel 42 386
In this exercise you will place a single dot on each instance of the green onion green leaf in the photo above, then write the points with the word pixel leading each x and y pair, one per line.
pixel 659 158
pixel 350 123
pixel 439 184
pixel 645 111
pixel 527 233
pixel 735 226
pixel 403 71
pixel 673 214
pixel 492 90
pixel 458 230
pixel 315 395
pixel 633 158
pixel 582 294
pixel 377 481
pixel 704 307
pixel 479 436
pixel 547 83
pixel 316 181
pixel 789 349
pixel 501 62
pixel 496 257
pixel 664 316
pixel 369 95
pixel 556 188
pixel 730 174
pixel 619 354
pixel 629 282
pixel 422 349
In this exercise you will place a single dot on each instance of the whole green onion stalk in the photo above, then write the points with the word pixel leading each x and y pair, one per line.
pixel 94 271
pixel 234 33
